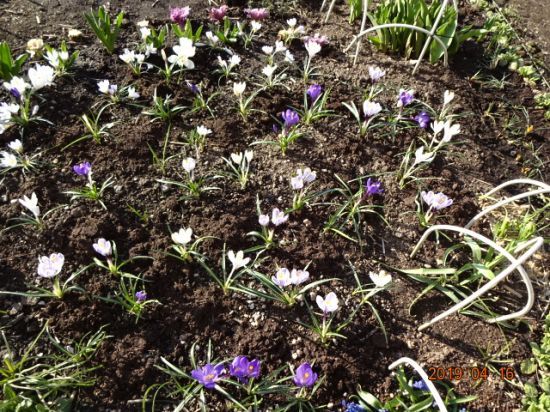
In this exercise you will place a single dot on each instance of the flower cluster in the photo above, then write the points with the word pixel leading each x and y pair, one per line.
pixel 285 277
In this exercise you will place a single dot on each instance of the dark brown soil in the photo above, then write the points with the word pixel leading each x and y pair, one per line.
pixel 193 308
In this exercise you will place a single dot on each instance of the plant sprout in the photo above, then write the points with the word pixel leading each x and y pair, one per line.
pixel 90 191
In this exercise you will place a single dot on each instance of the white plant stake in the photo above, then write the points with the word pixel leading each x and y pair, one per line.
pixel 431 34
pixel 408 361
pixel 515 264
pixel 544 188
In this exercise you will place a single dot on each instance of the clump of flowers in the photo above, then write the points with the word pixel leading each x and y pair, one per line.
pixel 435 202
pixel 227 66
pixel 185 247
pixel 266 235
pixel 301 184
pixel 370 111
pixel 293 31
pixel 244 369
pixel 313 47
pixel 61 60
pixel 90 191
pixel 315 99
pixel 239 166
pixel 133 60
pixel 193 185
pixel 16 158
pixel 289 131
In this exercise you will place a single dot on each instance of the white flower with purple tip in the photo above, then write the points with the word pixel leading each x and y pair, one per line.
pixel 436 201
pixel 50 266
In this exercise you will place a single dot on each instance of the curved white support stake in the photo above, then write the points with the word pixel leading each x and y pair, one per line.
pixel 408 361
pixel 363 24
pixel 504 202
pixel 406 26
pixel 432 33
pixel 515 265
pixel 518 182
pixel 329 11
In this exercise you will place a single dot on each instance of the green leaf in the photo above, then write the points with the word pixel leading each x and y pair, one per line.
pixel 528 366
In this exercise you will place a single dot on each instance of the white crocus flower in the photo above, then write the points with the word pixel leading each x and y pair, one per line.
pixel 282 278
pixel 448 97
pixel 50 267
pixel 450 131
pixel 143 23
pixel 41 76
pixel 128 57
pixel 239 88
pixel 145 32
pixel 291 22
pixel 307 175
pixel 234 61
pixel 31 204
pixel 188 164
pixel 237 157
pixel 297 182
pixel 278 217
pixel 255 26
pixel 132 94
pixel 327 304
pixel 267 50
pixel 421 157
pixel 150 49
pixel 212 39
pixel 279 46
pixel 8 160
pixel 237 260
pixel 183 52
pixel 53 58
pixel 248 154
pixel 7 110
pixel 263 220
pixel 312 48
pixel 380 279
pixel 269 70
pixel 103 247
pixel 105 87
pixel 16 146
pixel 438 126
pixel 298 277
pixel 371 108
pixel 203 131
pixel 183 236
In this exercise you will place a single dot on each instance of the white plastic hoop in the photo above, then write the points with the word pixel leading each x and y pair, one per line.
pixel 544 188
pixel 516 264
pixel 408 361
pixel 406 26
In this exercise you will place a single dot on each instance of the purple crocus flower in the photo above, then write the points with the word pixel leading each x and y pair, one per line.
pixel 304 376
pixel 208 375
pixel 291 118
pixel 243 369
pixel 218 13
pixel 82 169
pixel 257 14
pixel 195 89
pixel 180 14
pixel 405 97
pixel 373 187
pixel 314 91
pixel 141 296
pixel 423 119
pixel 420 385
